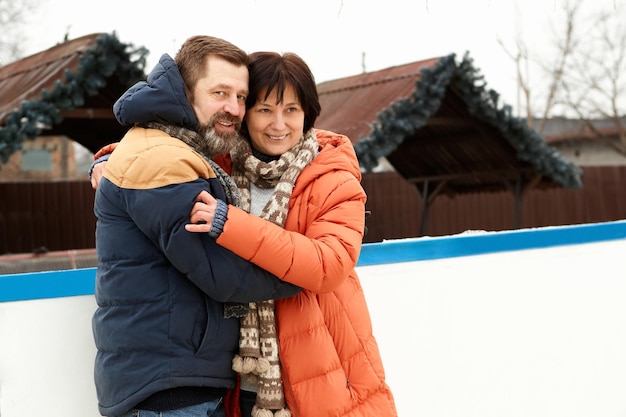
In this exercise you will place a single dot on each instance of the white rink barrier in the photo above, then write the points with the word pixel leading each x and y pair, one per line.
pixel 521 323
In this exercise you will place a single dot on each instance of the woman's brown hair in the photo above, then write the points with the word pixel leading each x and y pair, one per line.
pixel 274 71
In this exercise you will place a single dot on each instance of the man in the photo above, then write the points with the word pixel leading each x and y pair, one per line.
pixel 166 328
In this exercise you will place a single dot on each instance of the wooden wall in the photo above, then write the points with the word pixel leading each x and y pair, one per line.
pixel 58 216
pixel 397 210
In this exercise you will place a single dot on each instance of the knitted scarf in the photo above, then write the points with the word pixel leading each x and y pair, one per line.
pixel 203 147
pixel 258 357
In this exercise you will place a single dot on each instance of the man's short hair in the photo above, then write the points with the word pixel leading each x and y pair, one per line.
pixel 194 52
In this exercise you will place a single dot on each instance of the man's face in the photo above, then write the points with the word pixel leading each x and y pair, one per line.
pixel 219 100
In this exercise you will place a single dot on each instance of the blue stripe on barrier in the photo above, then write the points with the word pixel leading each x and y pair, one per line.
pixel 53 284
pixel 50 284
pixel 478 243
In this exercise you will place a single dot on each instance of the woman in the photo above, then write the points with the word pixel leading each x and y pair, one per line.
pixel 306 182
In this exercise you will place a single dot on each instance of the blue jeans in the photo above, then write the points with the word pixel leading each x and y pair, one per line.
pixel 213 408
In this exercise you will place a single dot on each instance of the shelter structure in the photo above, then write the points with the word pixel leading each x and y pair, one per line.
pixel 434 121
pixel 440 127
pixel 68 90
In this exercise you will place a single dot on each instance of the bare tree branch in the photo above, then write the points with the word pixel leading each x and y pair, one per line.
pixel 13 16
pixel 585 76
pixel 520 57
pixel 565 48
pixel 595 80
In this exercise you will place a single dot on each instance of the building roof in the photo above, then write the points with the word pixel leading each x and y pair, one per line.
pixel 68 90
pixel 560 130
pixel 437 124
pixel 434 120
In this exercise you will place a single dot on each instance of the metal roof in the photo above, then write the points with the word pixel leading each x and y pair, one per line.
pixel 350 105
pixel 68 90
pixel 440 127
pixel 433 120
pixel 25 79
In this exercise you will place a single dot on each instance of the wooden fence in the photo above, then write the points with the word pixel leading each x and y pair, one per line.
pixel 396 206
pixel 58 216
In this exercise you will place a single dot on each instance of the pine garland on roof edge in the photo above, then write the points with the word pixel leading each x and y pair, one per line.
pixel 405 116
pixel 529 145
pixel 108 57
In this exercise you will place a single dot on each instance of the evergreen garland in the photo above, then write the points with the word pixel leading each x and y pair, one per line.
pixel 403 117
pixel 529 145
pixel 406 115
pixel 107 58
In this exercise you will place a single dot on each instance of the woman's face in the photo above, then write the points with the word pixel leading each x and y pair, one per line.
pixel 275 128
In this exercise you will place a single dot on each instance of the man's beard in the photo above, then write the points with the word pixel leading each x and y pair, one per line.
pixel 216 143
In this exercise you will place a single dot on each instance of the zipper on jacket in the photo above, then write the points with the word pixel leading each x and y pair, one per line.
pixel 349 387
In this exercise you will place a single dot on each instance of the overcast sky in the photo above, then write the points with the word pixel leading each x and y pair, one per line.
pixel 337 38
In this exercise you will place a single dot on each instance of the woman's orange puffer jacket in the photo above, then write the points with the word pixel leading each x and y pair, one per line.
pixel 330 359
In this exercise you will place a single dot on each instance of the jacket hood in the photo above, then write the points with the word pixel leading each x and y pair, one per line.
pixel 336 154
pixel 161 98
pixel 337 151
